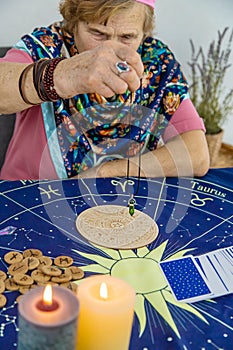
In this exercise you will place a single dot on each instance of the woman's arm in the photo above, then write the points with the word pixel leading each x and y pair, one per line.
pixel 92 71
pixel 11 100
pixel 183 155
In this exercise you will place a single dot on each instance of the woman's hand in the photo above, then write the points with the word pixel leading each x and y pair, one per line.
pixel 95 71
pixel 113 168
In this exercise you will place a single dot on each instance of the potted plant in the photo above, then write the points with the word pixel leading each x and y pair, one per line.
pixel 207 90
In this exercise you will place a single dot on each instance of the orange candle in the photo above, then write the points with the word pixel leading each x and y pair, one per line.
pixel 106 313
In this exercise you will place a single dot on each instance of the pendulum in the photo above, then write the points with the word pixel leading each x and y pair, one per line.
pixel 131 203
pixel 117 226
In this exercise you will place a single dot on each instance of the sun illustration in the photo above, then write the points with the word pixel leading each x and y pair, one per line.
pixel 135 267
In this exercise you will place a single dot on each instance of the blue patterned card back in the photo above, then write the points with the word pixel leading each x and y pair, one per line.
pixel 185 279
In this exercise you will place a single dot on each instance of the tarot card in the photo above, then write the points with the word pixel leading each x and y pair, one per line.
pixel 186 280
pixel 217 267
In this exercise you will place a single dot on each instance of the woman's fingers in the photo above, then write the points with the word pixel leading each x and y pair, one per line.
pixel 132 58
pixel 95 71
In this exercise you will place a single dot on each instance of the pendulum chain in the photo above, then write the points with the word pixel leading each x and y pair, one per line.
pixel 132 201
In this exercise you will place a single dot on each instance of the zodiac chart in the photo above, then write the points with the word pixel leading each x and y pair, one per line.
pixel 193 215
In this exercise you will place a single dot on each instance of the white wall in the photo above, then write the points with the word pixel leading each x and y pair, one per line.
pixel 176 22
pixel 199 20
pixel 18 17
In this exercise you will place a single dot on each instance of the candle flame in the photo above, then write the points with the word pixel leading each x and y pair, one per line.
pixel 48 295
pixel 104 291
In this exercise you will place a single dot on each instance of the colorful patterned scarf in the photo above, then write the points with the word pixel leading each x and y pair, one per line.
pixel 91 129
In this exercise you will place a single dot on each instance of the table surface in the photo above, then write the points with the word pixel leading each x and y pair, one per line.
pixel 194 216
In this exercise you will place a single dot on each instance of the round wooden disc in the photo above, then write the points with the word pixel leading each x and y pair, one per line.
pixel 112 226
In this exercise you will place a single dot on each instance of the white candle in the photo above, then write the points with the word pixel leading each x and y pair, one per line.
pixel 48 324
pixel 106 313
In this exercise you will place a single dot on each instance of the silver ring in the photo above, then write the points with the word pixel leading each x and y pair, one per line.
pixel 122 67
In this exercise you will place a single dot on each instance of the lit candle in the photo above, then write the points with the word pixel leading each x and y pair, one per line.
pixel 106 313
pixel 48 320
pixel 47 303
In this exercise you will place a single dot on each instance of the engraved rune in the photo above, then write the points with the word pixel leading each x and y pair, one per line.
pixel 14 256
pixel 24 278
pixel 64 260
pixel 15 268
pixel 32 254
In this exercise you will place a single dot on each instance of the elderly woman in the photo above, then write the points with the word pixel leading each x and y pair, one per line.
pixel 97 95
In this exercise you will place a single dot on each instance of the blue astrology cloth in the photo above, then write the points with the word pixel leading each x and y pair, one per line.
pixel 194 217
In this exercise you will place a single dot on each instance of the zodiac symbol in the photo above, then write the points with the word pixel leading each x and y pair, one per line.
pixel 198 202
pixel 43 191
pixel 123 185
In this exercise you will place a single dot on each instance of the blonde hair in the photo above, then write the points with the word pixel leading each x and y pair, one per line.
pixel 99 11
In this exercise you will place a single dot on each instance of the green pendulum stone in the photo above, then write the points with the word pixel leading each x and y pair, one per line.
pixel 131 210
pixel 131 204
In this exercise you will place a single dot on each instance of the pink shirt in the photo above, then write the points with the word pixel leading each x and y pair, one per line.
pixel 24 162
pixel 32 160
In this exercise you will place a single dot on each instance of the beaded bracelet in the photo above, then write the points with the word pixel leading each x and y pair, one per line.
pixel 43 71
pixel 47 83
